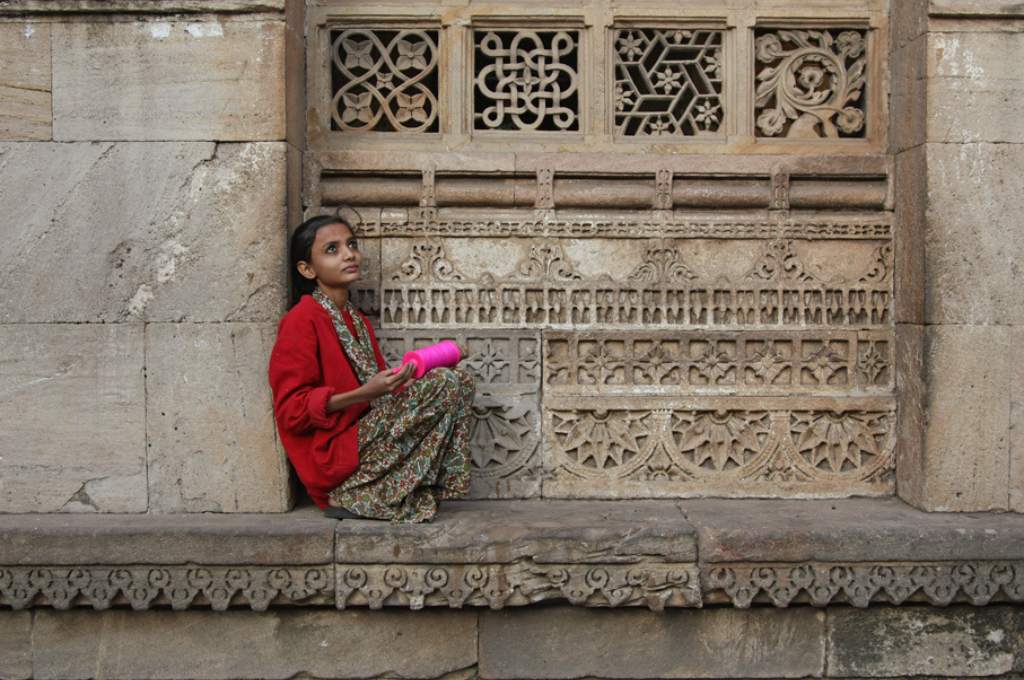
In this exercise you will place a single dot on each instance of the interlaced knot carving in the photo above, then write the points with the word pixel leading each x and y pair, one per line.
pixel 526 80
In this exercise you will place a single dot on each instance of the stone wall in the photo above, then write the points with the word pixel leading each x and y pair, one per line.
pixel 959 149
pixel 548 642
pixel 143 176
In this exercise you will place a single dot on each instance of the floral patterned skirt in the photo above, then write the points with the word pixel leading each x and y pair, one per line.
pixel 413 450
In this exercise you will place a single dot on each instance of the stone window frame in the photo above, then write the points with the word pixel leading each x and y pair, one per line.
pixel 596 20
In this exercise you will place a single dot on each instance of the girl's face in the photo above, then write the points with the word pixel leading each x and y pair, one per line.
pixel 334 259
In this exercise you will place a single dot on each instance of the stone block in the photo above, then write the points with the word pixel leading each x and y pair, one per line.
pixel 925 641
pixel 848 530
pixel 240 644
pixel 506 432
pixel 467 532
pixel 169 80
pixel 907 21
pixel 966 440
pixel 1017 419
pixel 25 101
pixel 72 404
pixel 960 114
pixel 300 537
pixel 209 418
pixel 15 645
pixel 711 643
pixel 973 235
pixel 160 231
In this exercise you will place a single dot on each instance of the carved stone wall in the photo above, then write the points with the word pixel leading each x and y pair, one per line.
pixel 665 233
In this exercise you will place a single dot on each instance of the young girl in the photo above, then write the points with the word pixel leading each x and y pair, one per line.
pixel 365 440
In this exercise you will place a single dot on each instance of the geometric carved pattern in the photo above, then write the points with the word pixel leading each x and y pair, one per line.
pixel 672 447
pixel 667 82
pixel 546 290
pixel 810 83
pixel 526 80
pixel 762 363
pixel 655 585
pixel 180 586
pixel 384 80
pixel 821 584
pixel 409 223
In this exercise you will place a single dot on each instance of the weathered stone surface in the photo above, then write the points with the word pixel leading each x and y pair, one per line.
pixel 854 530
pixel 73 413
pixel 910 191
pixel 301 537
pixel 212 442
pixel 1017 419
pixel 161 232
pixel 25 102
pixel 966 441
pixel 544 531
pixel 235 644
pixel 169 80
pixel 911 470
pixel 912 641
pixel 972 243
pixel 138 6
pixel 15 645
pixel 908 101
pixel 573 643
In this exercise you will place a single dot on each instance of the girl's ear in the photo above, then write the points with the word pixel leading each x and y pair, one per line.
pixel 306 270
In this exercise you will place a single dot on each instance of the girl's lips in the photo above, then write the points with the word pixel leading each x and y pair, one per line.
pixel 352 270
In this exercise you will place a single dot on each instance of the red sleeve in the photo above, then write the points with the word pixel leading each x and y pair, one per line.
pixel 300 396
pixel 381 364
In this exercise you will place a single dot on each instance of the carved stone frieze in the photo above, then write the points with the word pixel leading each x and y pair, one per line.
pixel 732 446
pixel 674 362
pixel 505 442
pixel 654 585
pixel 634 224
pixel 821 584
pixel 600 283
pixel 181 587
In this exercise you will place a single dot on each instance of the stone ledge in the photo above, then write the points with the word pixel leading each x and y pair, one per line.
pixel 513 553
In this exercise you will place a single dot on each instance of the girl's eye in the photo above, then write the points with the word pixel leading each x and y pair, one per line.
pixel 331 248
pixel 353 245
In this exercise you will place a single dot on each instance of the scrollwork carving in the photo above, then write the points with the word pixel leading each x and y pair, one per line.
pixel 810 83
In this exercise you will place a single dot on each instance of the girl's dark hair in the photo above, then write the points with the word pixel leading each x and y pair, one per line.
pixel 301 249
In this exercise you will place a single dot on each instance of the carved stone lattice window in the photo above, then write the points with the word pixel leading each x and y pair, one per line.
pixel 667 82
pixel 526 80
pixel 810 83
pixel 384 80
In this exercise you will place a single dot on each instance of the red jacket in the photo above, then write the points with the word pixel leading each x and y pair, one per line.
pixel 307 366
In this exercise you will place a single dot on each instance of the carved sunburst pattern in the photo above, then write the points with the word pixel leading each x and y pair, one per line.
pixel 840 442
pixel 602 440
pixel 720 440
pixel 501 435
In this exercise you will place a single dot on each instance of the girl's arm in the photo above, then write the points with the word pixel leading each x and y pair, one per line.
pixel 383 382
pixel 300 396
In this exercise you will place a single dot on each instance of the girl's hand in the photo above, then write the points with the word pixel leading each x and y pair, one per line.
pixel 387 380
pixel 463 350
